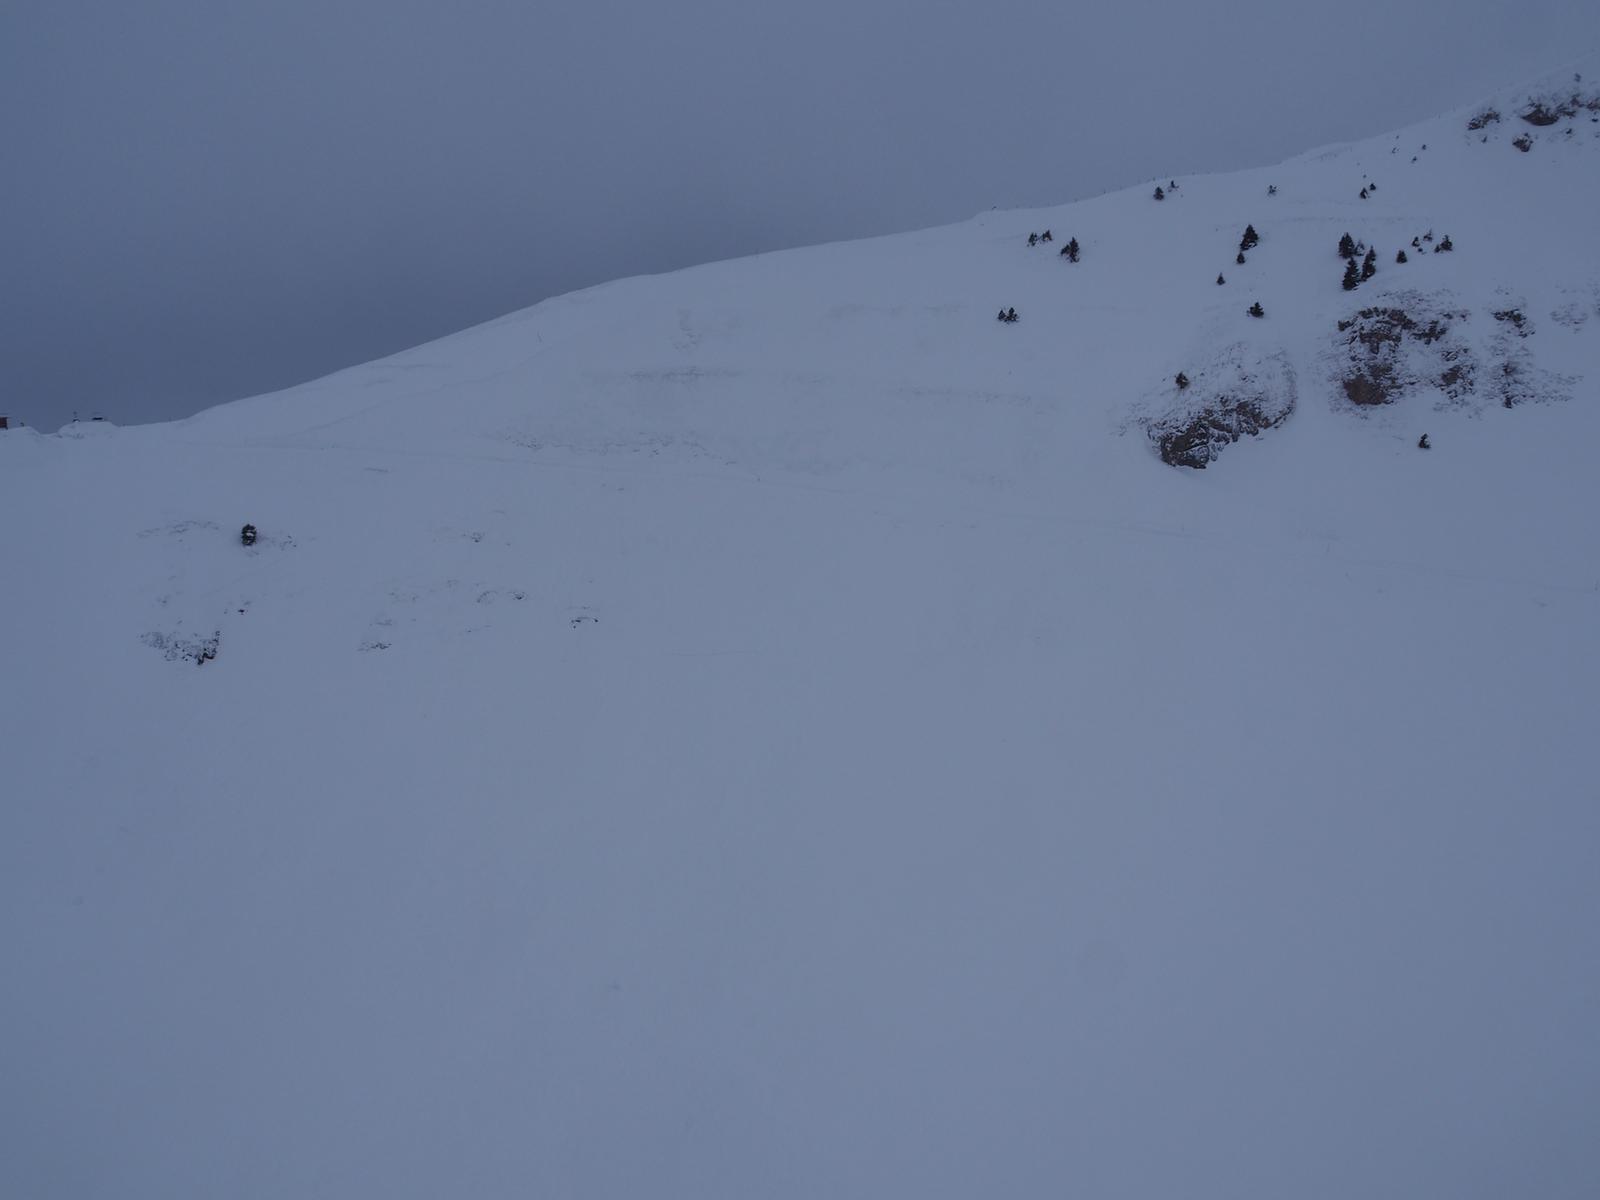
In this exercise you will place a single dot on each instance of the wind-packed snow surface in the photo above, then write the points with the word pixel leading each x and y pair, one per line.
pixel 775 730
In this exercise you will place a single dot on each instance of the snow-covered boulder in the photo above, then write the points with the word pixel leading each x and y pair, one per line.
pixel 1237 395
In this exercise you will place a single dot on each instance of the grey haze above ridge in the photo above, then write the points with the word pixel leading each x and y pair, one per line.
pixel 207 205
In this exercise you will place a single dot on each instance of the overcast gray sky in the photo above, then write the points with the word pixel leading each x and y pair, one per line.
pixel 203 200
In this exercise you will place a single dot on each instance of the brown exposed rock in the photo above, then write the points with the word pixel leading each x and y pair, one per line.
pixel 1374 340
pixel 1221 423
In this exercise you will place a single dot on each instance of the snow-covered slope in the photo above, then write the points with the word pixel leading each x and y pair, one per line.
pixel 775 730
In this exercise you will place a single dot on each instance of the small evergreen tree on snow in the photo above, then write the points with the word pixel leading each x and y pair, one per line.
pixel 1250 238
pixel 1255 310
pixel 1347 247
pixel 1160 195
pixel 1045 236
pixel 1033 239
pixel 1400 257
pixel 1444 244
pixel 1272 189
pixel 1363 193
pixel 1369 265
pixel 1239 258
pixel 1352 274
pixel 1220 279
pixel 1182 381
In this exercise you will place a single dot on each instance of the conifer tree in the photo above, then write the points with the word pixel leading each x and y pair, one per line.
pixel 1160 195
pixel 1369 265
pixel 1182 381
pixel 1255 310
pixel 1239 258
pixel 1352 274
pixel 1250 238
pixel 1220 279
pixel 1347 247
pixel 1400 257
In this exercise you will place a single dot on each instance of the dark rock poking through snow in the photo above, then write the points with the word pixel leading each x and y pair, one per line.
pixel 175 647
pixel 1414 343
pixel 1380 353
pixel 1234 397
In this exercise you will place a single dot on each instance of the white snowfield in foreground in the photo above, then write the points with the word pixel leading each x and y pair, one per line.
pixel 774 730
